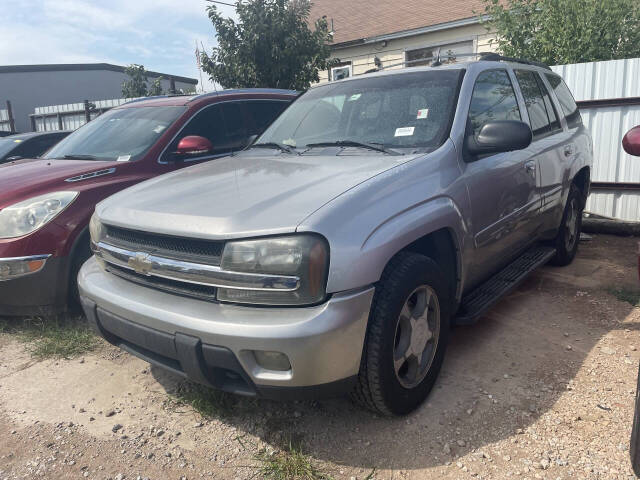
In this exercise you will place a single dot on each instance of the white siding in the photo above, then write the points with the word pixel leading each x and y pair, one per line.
pixel 609 80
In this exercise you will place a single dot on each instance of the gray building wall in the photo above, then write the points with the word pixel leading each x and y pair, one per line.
pixel 30 89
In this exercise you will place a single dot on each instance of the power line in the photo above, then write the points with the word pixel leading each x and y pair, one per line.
pixel 222 3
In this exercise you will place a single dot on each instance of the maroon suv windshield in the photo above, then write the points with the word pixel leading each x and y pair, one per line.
pixel 124 134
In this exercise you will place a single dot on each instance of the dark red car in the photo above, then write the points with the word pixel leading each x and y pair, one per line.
pixel 46 203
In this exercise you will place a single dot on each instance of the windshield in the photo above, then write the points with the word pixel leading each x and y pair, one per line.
pixel 123 134
pixel 8 144
pixel 408 110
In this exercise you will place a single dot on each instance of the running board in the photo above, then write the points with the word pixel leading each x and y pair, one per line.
pixel 478 301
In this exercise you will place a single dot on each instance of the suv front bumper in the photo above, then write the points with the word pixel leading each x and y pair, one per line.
pixel 214 343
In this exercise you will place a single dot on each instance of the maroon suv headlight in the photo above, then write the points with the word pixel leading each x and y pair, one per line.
pixel 29 215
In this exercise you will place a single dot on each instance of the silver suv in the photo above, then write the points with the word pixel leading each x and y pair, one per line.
pixel 335 254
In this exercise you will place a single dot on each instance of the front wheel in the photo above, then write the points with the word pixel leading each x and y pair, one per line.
pixel 406 337
pixel 568 236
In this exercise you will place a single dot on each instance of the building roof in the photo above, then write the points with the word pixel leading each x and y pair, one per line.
pixel 70 67
pixel 357 20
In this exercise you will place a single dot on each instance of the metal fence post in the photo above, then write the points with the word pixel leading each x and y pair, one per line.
pixel 33 122
pixel 12 123
pixel 87 111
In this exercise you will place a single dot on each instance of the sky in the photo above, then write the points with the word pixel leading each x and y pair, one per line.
pixel 159 34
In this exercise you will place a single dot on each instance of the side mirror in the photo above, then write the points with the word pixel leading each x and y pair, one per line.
pixel 500 136
pixel 631 141
pixel 193 145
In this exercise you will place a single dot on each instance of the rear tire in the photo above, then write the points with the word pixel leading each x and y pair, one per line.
pixel 406 337
pixel 568 238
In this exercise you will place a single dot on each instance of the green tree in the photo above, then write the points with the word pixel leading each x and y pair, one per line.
pixel 271 45
pixel 136 86
pixel 156 87
pixel 565 31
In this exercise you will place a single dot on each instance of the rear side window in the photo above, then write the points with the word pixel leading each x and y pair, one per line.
pixel 542 116
pixel 262 112
pixel 567 103
pixel 493 99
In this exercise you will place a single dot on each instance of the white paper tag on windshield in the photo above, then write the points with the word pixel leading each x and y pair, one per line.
pixel 123 158
pixel 355 96
pixel 423 113
pixel 404 131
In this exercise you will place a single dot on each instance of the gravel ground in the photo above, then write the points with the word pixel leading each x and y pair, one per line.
pixel 541 388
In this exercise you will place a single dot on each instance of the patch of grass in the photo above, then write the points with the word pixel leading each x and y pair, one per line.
pixel 289 464
pixel 208 402
pixel 62 336
pixel 625 294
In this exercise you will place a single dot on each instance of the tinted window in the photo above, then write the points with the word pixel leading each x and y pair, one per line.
pixel 235 125
pixel 534 99
pixel 493 99
pixel 567 103
pixel 208 123
pixel 32 147
pixel 8 145
pixel 401 110
pixel 554 119
pixel 120 133
pixel 262 113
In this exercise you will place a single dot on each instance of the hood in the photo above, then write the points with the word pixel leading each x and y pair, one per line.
pixel 241 196
pixel 26 178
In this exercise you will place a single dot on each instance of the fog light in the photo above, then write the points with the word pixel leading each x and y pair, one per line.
pixel 20 266
pixel 272 360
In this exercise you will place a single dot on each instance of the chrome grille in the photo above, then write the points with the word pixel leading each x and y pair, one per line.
pixel 202 292
pixel 191 249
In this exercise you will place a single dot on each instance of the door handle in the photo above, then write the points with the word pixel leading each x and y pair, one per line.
pixel 568 150
pixel 530 167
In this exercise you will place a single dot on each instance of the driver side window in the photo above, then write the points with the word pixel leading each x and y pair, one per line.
pixel 208 123
pixel 493 98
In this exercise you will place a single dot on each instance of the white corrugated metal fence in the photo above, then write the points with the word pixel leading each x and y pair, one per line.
pixel 608 122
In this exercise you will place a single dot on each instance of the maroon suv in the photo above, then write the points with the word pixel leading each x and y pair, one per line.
pixel 46 203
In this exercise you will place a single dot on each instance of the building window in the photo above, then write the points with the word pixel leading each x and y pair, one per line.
pixel 340 71
pixel 420 57
pixel 424 56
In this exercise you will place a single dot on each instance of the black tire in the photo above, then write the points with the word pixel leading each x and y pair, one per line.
pixel 81 254
pixel 568 237
pixel 379 386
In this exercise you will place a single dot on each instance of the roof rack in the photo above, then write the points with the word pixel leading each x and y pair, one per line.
pixel 438 60
pixel 496 57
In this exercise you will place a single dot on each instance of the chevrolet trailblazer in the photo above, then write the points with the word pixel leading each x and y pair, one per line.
pixel 334 254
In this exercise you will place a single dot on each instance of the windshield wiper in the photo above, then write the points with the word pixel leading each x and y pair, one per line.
pixel 79 157
pixel 280 146
pixel 378 147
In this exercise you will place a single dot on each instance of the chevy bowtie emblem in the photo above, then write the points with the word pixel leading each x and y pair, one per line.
pixel 140 263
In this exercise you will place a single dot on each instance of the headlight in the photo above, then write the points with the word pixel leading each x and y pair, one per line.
pixel 303 256
pixel 28 216
pixel 95 229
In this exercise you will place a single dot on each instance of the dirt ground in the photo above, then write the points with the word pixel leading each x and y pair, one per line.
pixel 541 388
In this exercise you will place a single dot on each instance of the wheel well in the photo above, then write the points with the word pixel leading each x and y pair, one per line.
pixel 441 248
pixel 582 180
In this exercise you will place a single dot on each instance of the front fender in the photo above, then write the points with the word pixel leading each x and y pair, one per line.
pixel 369 224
